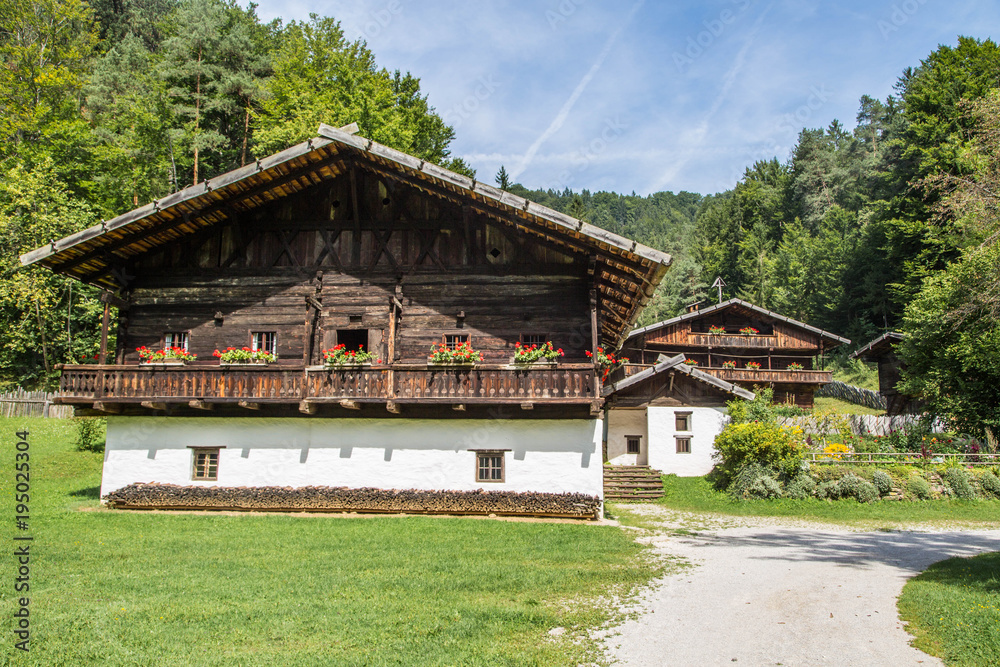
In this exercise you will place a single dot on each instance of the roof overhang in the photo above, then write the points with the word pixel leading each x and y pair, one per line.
pixel 826 335
pixel 625 273
pixel 877 347
pixel 676 363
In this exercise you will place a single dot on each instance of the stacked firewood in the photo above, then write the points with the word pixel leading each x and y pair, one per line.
pixel 343 499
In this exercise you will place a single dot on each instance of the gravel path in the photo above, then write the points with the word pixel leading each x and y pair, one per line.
pixel 765 592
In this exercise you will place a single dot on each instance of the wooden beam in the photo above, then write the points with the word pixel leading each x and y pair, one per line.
pixel 201 405
pixel 527 405
pixel 307 407
pixel 110 408
pixel 349 404
pixel 110 299
pixel 460 407
pixel 103 356
pixel 249 405
pixel 154 405
pixel 393 407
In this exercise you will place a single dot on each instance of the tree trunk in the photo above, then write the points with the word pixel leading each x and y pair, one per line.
pixel 246 130
pixel 197 116
pixel 41 331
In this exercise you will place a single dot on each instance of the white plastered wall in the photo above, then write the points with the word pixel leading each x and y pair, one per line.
pixel 550 456
pixel 623 422
pixel 706 423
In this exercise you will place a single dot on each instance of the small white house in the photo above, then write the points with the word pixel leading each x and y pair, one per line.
pixel 667 416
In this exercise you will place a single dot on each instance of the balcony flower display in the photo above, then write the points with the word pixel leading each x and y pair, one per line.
pixel 716 330
pixel 168 355
pixel 607 362
pixel 749 331
pixel 729 364
pixel 690 362
pixel 753 366
pixel 795 367
pixel 243 355
pixel 529 354
pixel 338 356
pixel 460 355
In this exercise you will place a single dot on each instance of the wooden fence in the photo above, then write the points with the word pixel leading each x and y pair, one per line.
pixel 851 394
pixel 891 458
pixel 21 403
pixel 860 424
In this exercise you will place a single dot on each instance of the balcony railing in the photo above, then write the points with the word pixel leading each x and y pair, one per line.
pixel 561 384
pixel 731 340
pixel 747 376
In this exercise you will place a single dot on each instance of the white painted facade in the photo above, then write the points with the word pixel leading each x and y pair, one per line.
pixel 547 456
pixel 657 426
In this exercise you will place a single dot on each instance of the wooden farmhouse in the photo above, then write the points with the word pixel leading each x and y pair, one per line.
pixel 342 241
pixel 881 352
pixel 742 344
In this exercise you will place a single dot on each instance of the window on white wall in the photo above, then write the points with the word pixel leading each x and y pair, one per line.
pixel 632 444
pixel 683 445
pixel 489 467
pixel 206 464
pixel 682 421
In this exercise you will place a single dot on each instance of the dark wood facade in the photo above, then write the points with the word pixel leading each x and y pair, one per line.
pixel 341 240
pixel 881 352
pixel 779 343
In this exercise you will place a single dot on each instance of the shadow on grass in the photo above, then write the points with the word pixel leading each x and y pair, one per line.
pixel 90 492
pixel 981 573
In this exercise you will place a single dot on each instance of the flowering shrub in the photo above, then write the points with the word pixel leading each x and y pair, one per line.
pixel 835 451
pixel 753 366
pixel 690 362
pixel 244 355
pixel 716 330
pixel 729 364
pixel 463 354
pixel 168 353
pixel 776 447
pixel 795 367
pixel 339 355
pixel 607 361
pixel 523 354
pixel 749 331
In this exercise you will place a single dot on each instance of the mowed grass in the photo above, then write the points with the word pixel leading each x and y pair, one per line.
pixel 115 588
pixel 835 405
pixel 696 494
pixel 953 609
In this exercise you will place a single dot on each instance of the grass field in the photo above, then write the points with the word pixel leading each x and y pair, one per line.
pixel 953 609
pixel 116 588
pixel 696 494
pixel 830 404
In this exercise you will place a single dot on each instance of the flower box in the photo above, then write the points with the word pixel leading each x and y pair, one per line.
pixel 168 356
pixel 164 363
pixel 347 366
pixel 462 355
pixel 340 357
pixel 243 356
pixel 749 331
pixel 716 331
pixel 525 355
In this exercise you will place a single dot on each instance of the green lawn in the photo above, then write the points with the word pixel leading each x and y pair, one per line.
pixel 114 588
pixel 953 609
pixel 830 404
pixel 696 494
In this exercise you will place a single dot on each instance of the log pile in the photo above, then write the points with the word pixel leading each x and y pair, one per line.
pixel 343 499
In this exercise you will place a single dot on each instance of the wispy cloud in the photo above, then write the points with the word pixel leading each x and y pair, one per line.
pixel 560 118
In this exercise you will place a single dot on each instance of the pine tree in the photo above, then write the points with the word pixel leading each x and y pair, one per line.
pixel 503 179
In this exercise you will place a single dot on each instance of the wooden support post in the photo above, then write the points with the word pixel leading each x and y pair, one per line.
pixel 307 407
pixel 201 405
pixel 249 405
pixel 355 203
pixel 527 405
pixel 349 404
pixel 595 408
pixel 110 408
pixel 105 321
pixel 459 407
pixel 154 405
pixel 393 407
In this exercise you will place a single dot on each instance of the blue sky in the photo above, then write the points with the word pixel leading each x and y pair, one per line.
pixel 641 95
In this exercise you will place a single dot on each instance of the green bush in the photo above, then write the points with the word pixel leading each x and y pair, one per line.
pixel 90 433
pixel 882 482
pixel 990 483
pixel 800 488
pixel 768 444
pixel 852 486
pixel 755 482
pixel 760 409
pixel 919 487
pixel 959 482
pixel 827 490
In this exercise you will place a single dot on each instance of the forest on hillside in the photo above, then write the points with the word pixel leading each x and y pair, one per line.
pixel 108 104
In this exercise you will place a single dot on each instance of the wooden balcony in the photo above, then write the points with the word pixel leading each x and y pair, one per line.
pixel 747 377
pixel 730 340
pixel 204 386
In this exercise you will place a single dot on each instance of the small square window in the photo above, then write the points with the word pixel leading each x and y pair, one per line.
pixel 206 464
pixel 682 421
pixel 266 341
pixel 454 341
pixel 632 444
pixel 489 466
pixel 684 445
pixel 176 339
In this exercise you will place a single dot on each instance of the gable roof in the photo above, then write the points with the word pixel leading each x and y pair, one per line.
pixel 665 364
pixel 833 338
pixel 626 272
pixel 879 346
